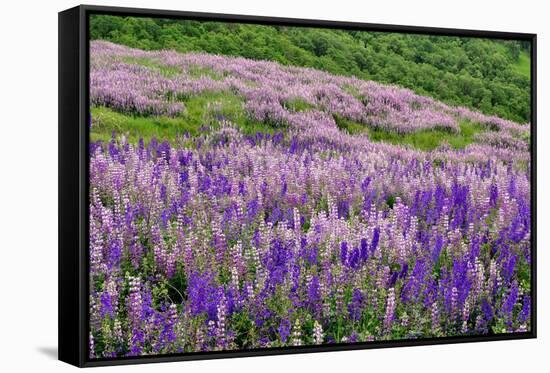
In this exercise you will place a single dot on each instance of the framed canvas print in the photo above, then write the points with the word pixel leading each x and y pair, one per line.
pixel 237 185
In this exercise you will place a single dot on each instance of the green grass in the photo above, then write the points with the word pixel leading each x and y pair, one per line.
pixel 297 104
pixel 168 71
pixel 353 128
pixel 523 66
pixel 425 140
pixel 194 71
pixel 430 139
pixel 202 113
pixel 107 121
pixel 210 109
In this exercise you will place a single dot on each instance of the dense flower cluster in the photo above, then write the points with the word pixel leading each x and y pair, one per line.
pixel 265 241
pixel 308 236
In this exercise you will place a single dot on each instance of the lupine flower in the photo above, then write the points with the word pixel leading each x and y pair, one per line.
pixel 526 310
pixel 91 346
pixel 510 302
pixel 297 333
pixel 220 323
pixel 435 318
pixel 390 310
pixel 317 333
pixel 284 330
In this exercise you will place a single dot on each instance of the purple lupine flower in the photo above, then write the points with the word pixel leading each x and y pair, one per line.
pixel 364 250
pixel 284 330
pixel 437 248
pixel 344 252
pixel 356 305
pixel 487 310
pixel 375 239
pixel 525 313
pixel 314 295
pixel 390 310
pixel 510 301
pixel 135 302
pixel 106 305
pixel 221 314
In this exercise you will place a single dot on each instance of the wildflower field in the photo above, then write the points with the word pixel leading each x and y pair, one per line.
pixel 238 203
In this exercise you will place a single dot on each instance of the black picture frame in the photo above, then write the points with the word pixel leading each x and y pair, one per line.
pixel 73 129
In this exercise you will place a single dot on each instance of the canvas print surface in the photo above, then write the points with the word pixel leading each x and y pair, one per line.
pixel 254 187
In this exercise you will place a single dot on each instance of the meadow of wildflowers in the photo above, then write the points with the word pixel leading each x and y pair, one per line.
pixel 303 234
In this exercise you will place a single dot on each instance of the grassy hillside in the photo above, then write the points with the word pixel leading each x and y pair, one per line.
pixel 177 97
pixel 488 75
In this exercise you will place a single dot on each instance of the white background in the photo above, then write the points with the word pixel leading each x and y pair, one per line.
pixel 28 184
